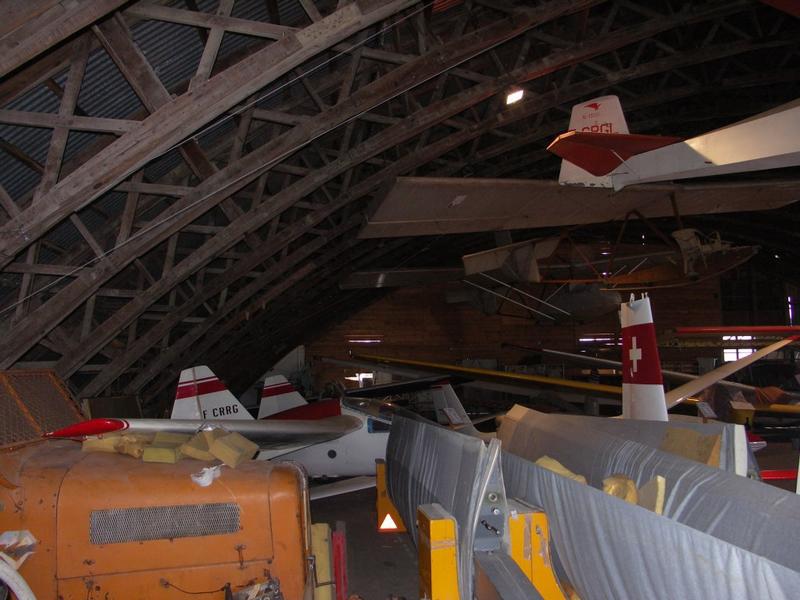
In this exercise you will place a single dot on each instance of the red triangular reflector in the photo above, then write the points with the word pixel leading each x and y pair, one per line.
pixel 388 523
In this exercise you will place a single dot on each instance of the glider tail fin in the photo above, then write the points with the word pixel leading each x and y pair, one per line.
pixel 599 115
pixel 202 395
pixel 449 410
pixel 642 384
pixel 278 395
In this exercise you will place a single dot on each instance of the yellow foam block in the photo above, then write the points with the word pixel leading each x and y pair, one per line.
pixel 197 448
pixel 166 438
pixel 105 443
pixel 212 434
pixel 133 444
pixel 652 494
pixel 692 445
pixel 233 448
pixel 160 454
pixel 622 487
pixel 551 464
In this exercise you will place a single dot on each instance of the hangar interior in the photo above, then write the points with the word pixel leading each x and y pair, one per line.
pixel 196 195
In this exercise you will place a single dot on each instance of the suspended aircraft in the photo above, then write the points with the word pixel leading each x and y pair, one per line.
pixel 600 179
pixel 599 151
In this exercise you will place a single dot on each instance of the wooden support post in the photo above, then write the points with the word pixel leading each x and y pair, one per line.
pixel 323 565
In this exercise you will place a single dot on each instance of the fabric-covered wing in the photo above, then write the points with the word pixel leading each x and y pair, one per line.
pixel 268 434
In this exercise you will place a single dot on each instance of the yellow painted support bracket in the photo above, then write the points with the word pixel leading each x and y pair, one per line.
pixel 438 559
pixel 389 519
pixel 321 548
pixel 529 547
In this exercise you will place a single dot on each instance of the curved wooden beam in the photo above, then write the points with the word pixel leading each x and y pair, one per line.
pixel 254 164
pixel 435 113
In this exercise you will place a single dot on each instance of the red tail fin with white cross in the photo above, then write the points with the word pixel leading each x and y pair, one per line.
pixel 642 385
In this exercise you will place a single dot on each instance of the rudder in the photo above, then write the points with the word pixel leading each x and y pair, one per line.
pixel 598 115
pixel 202 395
pixel 642 383
pixel 278 395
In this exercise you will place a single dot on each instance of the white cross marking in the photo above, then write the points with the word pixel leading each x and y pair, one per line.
pixel 635 354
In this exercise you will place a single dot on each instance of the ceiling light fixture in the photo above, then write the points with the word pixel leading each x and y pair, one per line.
pixel 514 96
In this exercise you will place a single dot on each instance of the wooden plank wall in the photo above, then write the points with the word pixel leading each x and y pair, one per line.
pixel 418 323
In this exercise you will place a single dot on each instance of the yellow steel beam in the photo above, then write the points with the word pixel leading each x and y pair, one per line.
pixel 389 519
pixel 529 547
pixel 438 558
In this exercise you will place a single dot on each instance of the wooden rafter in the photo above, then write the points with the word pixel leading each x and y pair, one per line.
pixel 181 117
pixel 260 205
pixel 238 174
pixel 27 34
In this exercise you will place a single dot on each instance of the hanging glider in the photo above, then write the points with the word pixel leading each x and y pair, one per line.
pixel 599 151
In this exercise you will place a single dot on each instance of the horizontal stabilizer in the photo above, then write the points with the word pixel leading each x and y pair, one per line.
pixel 601 153
pixel 321 409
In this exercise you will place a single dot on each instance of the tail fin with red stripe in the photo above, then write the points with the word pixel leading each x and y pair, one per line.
pixel 599 115
pixel 642 385
pixel 201 395
pixel 277 396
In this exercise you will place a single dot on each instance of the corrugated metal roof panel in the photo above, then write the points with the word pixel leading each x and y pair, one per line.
pixel 173 51
pixel 105 92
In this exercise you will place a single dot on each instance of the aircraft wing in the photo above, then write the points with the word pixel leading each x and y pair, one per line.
pixel 403 387
pixel 438 205
pixel 502 377
pixel 691 388
pixel 680 394
pixel 601 153
pixel 604 363
pixel 676 376
pixel 345 486
pixel 268 434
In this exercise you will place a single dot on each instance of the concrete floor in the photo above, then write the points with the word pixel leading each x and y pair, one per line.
pixel 379 565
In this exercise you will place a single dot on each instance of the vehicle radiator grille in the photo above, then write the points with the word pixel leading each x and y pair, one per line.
pixel 117 525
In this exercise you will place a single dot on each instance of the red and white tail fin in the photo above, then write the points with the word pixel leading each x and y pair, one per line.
pixel 201 395
pixel 599 115
pixel 642 385
pixel 278 395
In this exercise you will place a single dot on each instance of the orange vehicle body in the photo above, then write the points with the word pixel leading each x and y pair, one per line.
pixel 112 527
